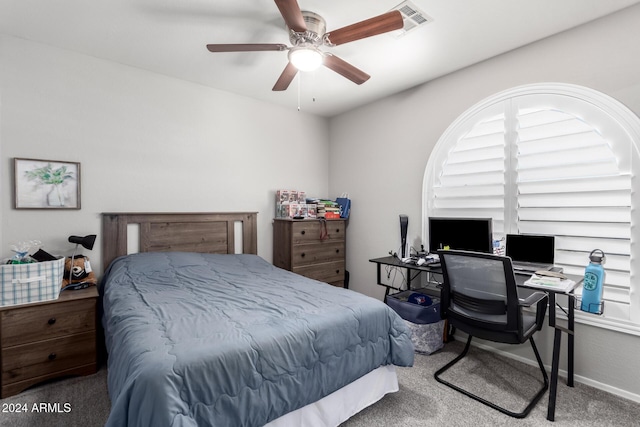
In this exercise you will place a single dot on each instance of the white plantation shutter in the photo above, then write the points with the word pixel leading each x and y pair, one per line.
pixel 548 159
pixel 570 185
pixel 471 182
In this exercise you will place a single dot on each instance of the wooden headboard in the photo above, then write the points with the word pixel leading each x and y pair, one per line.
pixel 207 232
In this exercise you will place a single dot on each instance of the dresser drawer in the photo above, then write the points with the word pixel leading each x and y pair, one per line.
pixel 325 272
pixel 318 253
pixel 46 357
pixel 28 324
pixel 309 231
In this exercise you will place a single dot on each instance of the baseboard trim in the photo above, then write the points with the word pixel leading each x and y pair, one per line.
pixel 563 373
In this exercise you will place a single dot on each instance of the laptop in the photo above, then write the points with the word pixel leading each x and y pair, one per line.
pixel 530 252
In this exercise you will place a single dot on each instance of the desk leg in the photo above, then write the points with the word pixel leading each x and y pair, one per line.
pixel 552 309
pixel 570 324
pixel 379 280
pixel 553 387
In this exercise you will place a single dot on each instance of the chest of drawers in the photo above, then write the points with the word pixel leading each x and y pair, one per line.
pixel 311 248
pixel 48 340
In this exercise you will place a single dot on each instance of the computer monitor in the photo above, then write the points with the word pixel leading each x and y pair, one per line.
pixel 469 234
pixel 531 248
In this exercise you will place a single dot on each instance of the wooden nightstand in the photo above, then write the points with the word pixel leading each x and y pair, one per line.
pixel 49 339
pixel 301 246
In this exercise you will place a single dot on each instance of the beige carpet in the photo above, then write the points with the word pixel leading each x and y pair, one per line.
pixel 421 400
pixel 76 401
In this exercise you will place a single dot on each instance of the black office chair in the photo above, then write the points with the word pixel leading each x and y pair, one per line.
pixel 480 298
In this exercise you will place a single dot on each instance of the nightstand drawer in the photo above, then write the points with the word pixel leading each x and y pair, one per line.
pixel 309 231
pixel 319 253
pixel 326 272
pixel 43 322
pixel 46 357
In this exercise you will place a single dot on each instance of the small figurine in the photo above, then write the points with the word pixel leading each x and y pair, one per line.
pixel 79 275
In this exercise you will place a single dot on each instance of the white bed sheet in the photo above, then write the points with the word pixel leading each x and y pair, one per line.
pixel 339 406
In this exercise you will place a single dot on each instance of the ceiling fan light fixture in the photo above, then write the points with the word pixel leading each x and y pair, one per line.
pixel 305 58
pixel 307 32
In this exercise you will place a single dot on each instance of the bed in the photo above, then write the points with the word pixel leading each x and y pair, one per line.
pixel 201 331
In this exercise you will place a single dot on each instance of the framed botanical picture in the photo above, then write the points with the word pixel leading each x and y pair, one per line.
pixel 46 184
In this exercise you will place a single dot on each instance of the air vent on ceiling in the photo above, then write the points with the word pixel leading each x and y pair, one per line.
pixel 412 16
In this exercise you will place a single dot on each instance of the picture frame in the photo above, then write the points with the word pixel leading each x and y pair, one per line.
pixel 46 184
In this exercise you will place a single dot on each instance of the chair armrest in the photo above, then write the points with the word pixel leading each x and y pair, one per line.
pixel 532 299
pixel 540 299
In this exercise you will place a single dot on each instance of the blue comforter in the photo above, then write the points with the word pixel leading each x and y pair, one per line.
pixel 231 340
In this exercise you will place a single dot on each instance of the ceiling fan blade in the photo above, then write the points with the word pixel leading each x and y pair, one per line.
pixel 256 47
pixel 370 27
pixel 290 11
pixel 345 69
pixel 286 77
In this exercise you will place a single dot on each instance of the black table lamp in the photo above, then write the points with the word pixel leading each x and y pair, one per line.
pixel 86 241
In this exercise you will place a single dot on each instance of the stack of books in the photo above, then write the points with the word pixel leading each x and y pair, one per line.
pixel 328 209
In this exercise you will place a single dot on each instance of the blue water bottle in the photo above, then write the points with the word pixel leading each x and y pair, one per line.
pixel 593 281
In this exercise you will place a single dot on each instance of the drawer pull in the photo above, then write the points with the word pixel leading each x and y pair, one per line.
pixel 337 271
pixel 52 356
pixel 302 232
pixel 302 254
pixel 51 321
pixel 337 230
pixel 337 251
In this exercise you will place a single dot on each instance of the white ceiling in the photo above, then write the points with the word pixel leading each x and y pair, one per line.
pixel 169 37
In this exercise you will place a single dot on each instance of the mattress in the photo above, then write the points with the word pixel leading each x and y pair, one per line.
pixel 231 340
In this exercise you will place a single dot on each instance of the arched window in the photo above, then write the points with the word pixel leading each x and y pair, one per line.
pixel 549 159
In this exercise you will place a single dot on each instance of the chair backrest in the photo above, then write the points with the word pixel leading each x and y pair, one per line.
pixel 479 289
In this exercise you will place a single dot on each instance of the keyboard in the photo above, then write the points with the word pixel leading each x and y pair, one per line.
pixel 531 267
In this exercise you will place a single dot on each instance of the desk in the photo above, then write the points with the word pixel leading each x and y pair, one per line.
pixel 395 262
pixel 520 279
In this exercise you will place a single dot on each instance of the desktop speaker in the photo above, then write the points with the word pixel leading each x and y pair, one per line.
pixel 404 223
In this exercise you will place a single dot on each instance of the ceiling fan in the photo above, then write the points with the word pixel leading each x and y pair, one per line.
pixel 307 33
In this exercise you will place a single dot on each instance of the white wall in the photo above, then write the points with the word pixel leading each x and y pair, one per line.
pixel 378 153
pixel 146 142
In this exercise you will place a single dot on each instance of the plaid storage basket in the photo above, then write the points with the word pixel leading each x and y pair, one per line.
pixel 25 283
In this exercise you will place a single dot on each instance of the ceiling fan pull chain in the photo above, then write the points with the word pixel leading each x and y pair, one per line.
pixel 313 88
pixel 299 78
